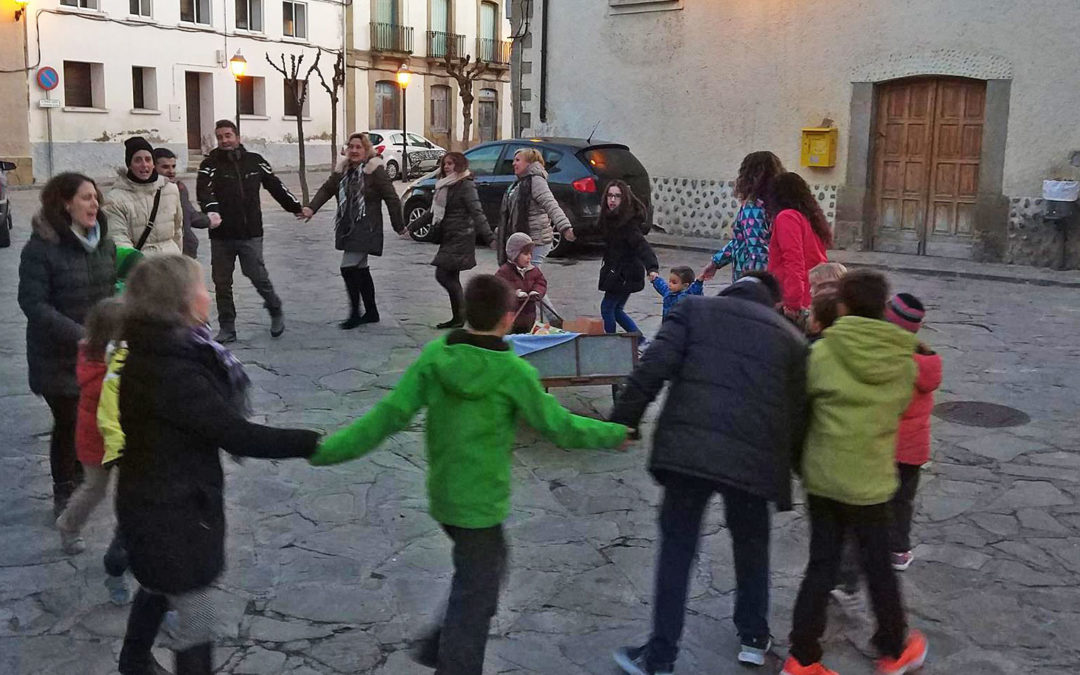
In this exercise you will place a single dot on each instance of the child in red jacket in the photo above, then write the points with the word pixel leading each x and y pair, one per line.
pixel 528 282
pixel 913 439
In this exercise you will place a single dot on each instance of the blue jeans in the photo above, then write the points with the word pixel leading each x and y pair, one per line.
pixel 611 310
pixel 747 516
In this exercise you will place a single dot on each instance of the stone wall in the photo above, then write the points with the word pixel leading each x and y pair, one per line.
pixel 1033 240
pixel 700 207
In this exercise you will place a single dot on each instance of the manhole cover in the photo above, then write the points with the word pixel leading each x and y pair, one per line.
pixel 981 414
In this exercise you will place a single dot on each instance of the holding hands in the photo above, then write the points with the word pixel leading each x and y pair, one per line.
pixel 215 219
pixel 305 214
pixel 653 276
pixel 708 273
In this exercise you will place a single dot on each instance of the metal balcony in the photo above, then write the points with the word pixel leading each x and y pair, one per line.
pixel 496 52
pixel 390 37
pixel 440 44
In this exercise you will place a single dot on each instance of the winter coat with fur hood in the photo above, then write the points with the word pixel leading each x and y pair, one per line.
pixel 128 206
pixel 365 235
pixel 59 281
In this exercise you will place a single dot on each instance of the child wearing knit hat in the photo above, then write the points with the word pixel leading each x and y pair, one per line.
pixel 528 282
pixel 913 439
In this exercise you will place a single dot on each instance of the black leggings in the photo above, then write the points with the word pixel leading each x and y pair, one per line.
pixel 451 281
pixel 66 470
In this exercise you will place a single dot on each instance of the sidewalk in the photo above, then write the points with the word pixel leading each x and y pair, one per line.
pixel 909 264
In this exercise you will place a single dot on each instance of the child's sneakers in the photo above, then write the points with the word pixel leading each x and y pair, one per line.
pixel 793 667
pixel 119 594
pixel 902 560
pixel 752 652
pixel 911 658
pixel 635 661
pixel 71 542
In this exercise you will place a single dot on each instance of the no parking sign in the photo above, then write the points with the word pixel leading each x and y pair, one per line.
pixel 48 78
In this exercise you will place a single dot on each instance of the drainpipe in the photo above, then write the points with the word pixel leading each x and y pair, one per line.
pixel 543 59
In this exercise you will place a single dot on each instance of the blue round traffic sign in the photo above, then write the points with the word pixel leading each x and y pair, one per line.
pixel 47 78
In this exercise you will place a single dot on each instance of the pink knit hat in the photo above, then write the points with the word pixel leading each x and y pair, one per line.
pixel 905 310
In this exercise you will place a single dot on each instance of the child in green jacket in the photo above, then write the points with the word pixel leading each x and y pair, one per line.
pixel 860 380
pixel 474 389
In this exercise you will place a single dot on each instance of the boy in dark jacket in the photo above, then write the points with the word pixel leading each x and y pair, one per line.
pixel 731 424
pixel 680 284
pixel 228 192
pixel 474 389
pixel 528 282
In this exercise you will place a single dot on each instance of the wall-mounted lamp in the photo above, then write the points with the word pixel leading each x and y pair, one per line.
pixel 22 8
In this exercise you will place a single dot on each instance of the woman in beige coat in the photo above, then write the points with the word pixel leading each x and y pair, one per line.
pixel 129 203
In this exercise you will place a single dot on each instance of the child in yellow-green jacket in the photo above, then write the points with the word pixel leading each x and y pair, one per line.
pixel 474 389
pixel 860 380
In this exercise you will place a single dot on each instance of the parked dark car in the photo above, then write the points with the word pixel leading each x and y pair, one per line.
pixel 578 172
pixel 5 205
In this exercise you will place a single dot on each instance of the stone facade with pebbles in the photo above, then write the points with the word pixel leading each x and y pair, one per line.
pixel 705 207
pixel 1033 240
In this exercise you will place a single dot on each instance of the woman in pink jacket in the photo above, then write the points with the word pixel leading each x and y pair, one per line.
pixel 913 438
pixel 800 236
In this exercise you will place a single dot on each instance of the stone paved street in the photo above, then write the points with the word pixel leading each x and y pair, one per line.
pixel 337 570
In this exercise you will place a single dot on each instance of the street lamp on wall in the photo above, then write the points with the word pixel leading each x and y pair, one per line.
pixel 21 4
pixel 238 66
pixel 403 76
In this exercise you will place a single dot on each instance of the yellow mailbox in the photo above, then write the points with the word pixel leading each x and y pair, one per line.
pixel 819 146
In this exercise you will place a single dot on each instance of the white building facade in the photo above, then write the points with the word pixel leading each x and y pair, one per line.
pixel 160 69
pixel 947 116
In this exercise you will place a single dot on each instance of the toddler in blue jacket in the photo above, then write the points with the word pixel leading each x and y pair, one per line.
pixel 680 283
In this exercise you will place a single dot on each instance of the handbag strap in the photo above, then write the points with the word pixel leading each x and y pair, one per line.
pixel 150 224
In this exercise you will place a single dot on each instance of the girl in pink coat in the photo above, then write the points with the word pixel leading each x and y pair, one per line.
pixel 913 439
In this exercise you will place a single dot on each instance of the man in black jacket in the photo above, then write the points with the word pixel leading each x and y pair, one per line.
pixel 228 192
pixel 733 423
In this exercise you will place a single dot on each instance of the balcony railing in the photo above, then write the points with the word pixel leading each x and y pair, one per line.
pixel 493 51
pixel 390 37
pixel 440 44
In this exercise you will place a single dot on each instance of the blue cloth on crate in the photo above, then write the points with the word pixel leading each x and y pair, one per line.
pixel 523 344
pixel 697 287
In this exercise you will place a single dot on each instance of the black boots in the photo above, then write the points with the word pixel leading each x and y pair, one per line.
pixel 359 284
pixel 147 611
pixel 352 289
pixel 197 660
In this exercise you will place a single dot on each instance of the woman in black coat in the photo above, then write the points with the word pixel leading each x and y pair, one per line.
pixel 361 185
pixel 457 215
pixel 182 398
pixel 67 266
pixel 628 258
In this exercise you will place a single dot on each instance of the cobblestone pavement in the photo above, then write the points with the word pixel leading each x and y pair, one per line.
pixel 336 570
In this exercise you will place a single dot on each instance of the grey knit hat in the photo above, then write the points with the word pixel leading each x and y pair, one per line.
pixel 517 243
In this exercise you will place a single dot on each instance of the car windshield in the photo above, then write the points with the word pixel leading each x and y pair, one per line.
pixel 613 162
pixel 419 140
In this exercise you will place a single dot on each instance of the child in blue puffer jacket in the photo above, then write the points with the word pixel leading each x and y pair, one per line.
pixel 680 283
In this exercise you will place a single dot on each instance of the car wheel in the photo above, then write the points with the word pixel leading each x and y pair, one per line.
pixel 392 169
pixel 415 210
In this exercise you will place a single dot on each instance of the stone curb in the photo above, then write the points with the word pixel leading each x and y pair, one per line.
pixel 1023 274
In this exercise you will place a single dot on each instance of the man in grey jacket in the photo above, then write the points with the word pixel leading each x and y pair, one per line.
pixel 165 164
pixel 733 423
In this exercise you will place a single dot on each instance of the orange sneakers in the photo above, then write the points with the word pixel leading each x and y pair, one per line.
pixel 910 660
pixel 793 667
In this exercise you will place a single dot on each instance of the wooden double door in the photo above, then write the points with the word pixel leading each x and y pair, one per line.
pixel 928 141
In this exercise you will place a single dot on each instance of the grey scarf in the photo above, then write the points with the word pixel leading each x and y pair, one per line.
pixel 442 190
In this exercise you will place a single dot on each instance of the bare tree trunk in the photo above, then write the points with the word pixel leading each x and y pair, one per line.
pixel 333 131
pixel 303 155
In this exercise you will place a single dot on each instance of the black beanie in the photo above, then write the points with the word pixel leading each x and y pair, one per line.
pixel 133 145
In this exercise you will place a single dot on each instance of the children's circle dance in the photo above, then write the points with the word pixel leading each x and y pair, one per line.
pixel 797 368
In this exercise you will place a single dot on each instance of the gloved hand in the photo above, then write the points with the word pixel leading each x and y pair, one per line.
pixel 522 294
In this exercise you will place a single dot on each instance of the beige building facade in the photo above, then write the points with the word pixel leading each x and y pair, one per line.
pixel 948 116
